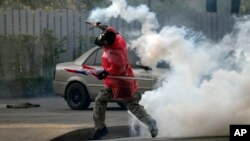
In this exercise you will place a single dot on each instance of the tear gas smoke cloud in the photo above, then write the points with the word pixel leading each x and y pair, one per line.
pixel 119 8
pixel 208 87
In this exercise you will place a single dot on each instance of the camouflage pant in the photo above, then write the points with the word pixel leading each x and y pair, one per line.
pixel 132 104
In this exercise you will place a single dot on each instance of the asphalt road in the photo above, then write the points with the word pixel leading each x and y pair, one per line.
pixel 53 118
pixel 55 121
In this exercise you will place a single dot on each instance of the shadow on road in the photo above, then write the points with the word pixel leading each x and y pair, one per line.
pixel 84 134
pixel 122 133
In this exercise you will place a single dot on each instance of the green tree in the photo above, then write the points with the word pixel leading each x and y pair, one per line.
pixel 85 43
pixel 53 47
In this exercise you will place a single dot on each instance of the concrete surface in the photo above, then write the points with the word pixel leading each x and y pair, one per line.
pixel 121 133
pixel 53 118
pixel 172 139
pixel 115 132
pixel 54 121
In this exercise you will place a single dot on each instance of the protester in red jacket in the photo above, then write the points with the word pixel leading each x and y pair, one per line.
pixel 115 63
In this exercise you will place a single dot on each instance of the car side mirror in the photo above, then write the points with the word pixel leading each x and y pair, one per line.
pixel 139 64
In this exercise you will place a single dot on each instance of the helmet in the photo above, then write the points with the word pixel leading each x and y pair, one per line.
pixel 106 38
pixel 110 37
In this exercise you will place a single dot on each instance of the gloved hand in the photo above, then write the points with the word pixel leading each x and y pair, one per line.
pixel 102 75
pixel 93 24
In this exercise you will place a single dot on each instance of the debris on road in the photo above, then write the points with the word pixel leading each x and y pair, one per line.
pixel 23 105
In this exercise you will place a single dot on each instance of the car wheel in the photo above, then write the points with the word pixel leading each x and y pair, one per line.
pixel 123 107
pixel 77 97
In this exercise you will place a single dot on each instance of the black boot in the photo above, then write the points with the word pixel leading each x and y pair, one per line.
pixel 153 128
pixel 99 133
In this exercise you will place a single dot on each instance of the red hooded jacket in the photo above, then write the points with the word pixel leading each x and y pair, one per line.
pixel 115 62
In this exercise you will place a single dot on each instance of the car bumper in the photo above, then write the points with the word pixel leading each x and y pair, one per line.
pixel 59 87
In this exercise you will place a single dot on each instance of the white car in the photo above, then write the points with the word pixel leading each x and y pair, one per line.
pixel 80 90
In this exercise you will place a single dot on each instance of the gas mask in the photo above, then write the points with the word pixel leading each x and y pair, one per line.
pixel 105 38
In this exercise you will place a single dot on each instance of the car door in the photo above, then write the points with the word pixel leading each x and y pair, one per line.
pixel 94 60
pixel 144 76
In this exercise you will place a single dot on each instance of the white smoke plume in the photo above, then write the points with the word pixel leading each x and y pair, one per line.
pixel 119 8
pixel 208 87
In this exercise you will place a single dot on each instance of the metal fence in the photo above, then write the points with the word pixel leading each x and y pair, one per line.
pixel 21 60
pixel 71 24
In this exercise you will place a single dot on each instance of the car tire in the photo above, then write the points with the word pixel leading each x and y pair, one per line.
pixel 123 107
pixel 77 97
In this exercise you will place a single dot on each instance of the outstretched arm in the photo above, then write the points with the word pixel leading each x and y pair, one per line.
pixel 101 26
pixel 97 24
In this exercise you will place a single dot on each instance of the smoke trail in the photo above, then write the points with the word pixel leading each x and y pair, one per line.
pixel 208 86
pixel 119 8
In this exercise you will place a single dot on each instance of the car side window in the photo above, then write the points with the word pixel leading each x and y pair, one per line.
pixel 91 59
pixel 98 60
pixel 163 64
